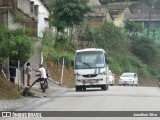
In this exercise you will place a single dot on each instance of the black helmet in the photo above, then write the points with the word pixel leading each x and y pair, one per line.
pixel 28 64
pixel 41 65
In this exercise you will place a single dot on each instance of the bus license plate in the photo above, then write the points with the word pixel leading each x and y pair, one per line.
pixel 90 81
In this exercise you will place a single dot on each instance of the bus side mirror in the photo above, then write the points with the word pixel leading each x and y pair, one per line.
pixel 106 61
pixel 72 63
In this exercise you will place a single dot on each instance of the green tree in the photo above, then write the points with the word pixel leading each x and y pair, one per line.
pixel 15 44
pixel 144 48
pixel 67 13
pixel 133 28
pixel 111 38
pixel 86 36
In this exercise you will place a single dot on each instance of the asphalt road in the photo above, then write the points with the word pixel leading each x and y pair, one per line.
pixel 117 98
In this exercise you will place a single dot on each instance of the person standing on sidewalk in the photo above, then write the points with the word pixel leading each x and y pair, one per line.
pixel 12 70
pixel 29 73
pixel 42 74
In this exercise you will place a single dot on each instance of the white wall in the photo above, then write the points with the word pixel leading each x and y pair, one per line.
pixel 12 25
pixel 42 14
pixel 24 6
pixel 93 2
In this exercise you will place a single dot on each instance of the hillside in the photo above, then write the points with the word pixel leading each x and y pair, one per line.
pixel 8 91
pixel 56 69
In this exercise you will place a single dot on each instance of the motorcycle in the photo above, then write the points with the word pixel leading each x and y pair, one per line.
pixel 43 85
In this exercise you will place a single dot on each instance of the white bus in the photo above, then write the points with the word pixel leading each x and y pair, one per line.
pixel 90 69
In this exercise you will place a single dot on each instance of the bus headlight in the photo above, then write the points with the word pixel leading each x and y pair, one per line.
pixel 79 80
pixel 102 71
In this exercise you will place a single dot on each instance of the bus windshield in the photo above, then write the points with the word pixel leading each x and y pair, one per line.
pixel 89 60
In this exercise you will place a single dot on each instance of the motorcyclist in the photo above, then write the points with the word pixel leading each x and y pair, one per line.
pixel 42 74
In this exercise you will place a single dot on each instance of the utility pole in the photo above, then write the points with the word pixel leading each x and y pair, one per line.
pixel 149 22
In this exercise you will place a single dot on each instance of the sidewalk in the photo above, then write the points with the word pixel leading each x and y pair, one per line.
pixel 54 89
pixel 37 92
pixel 35 61
pixel 24 102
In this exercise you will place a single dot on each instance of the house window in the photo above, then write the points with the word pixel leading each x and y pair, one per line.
pixel 114 15
pixel 36 9
pixel 145 24
pixel 153 25
pixel 32 6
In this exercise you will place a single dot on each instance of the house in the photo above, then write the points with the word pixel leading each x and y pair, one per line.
pixel 18 13
pixel 34 12
pixel 119 13
pixel 100 15
pixel 24 13
pixel 43 16
pixel 116 13
pixel 148 17
pixel 24 10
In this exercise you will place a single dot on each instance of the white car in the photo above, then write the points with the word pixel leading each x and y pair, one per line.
pixel 111 78
pixel 128 78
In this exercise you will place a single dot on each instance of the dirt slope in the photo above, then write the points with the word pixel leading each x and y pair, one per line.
pixel 56 70
pixel 7 89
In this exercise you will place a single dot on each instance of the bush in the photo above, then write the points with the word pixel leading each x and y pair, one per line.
pixel 114 64
pixel 15 44
pixel 128 63
pixel 111 38
pixel 60 41
pixel 54 48
pixel 144 48
pixel 48 40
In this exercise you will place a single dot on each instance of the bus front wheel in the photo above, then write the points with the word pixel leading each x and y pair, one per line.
pixel 84 88
pixel 78 88
pixel 104 87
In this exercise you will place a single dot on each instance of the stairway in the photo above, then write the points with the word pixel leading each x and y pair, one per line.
pixel 35 61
